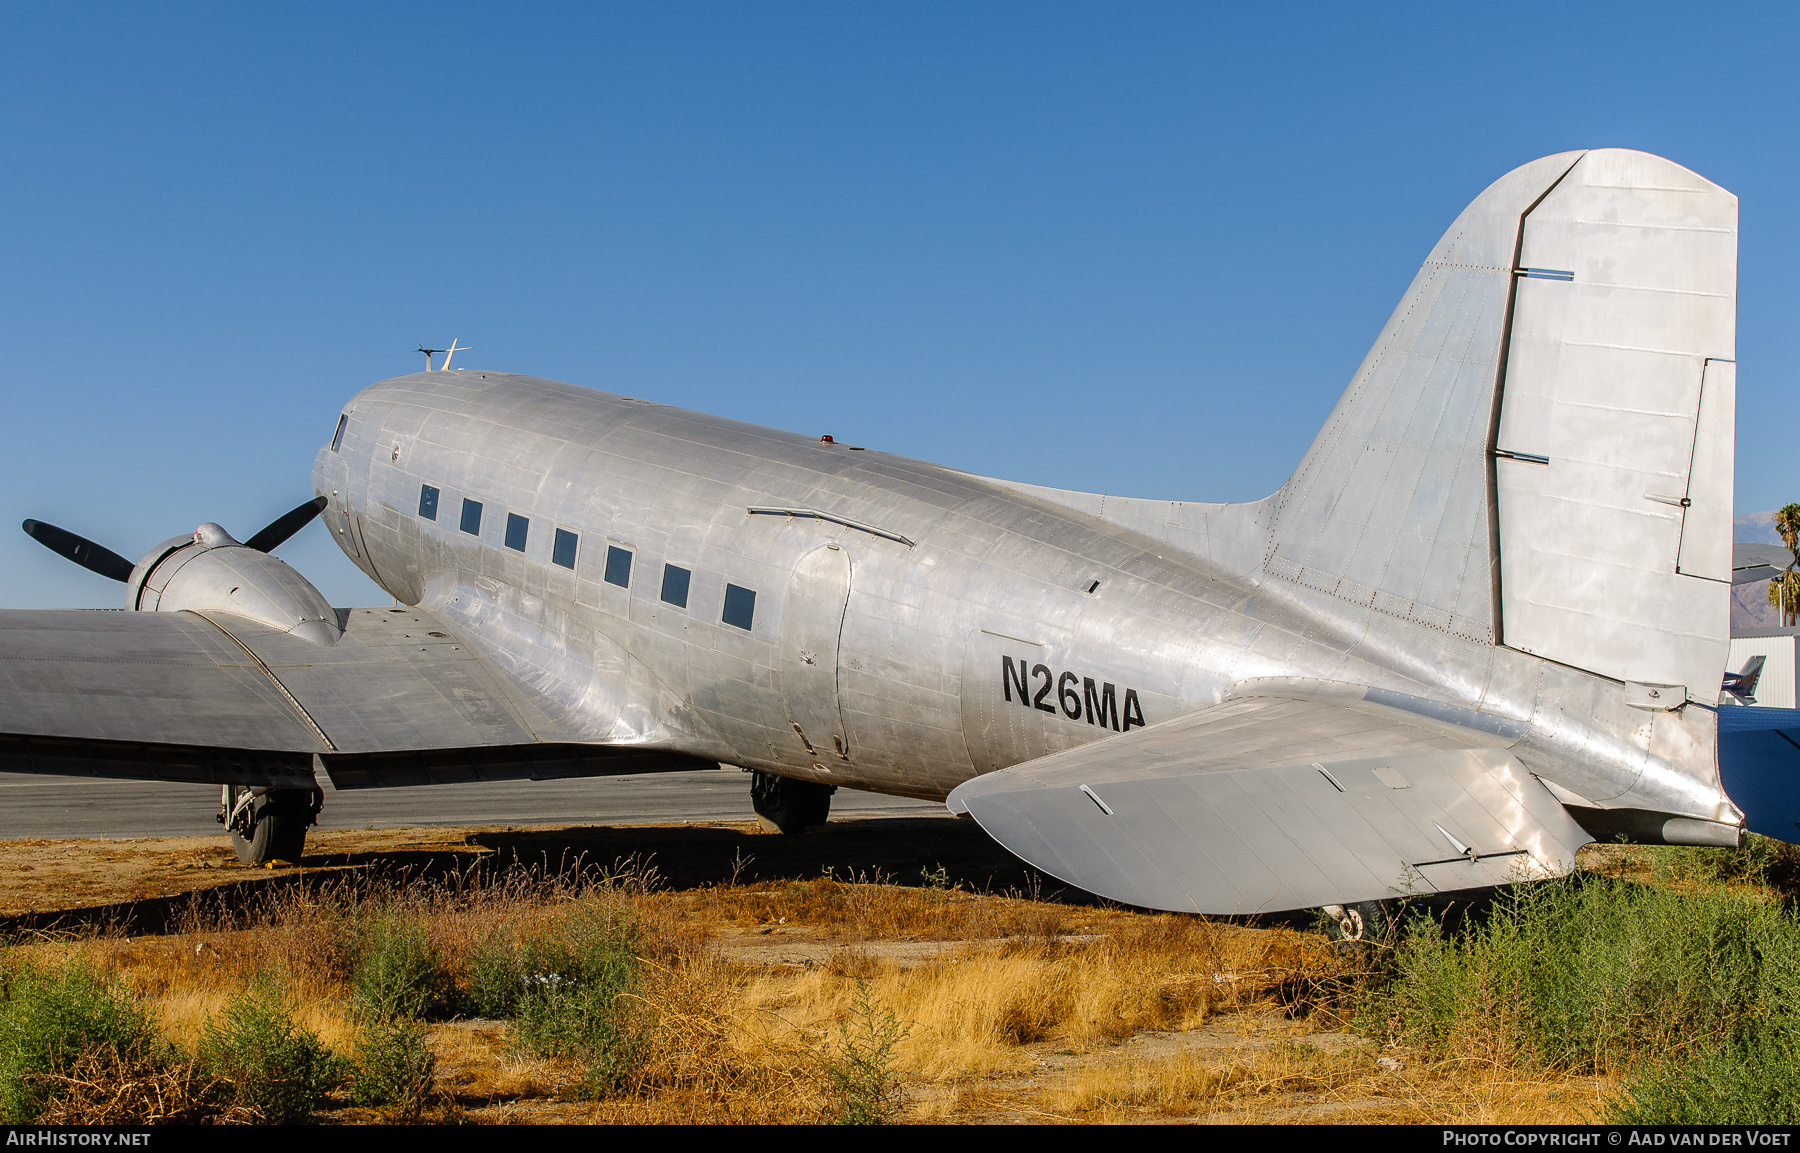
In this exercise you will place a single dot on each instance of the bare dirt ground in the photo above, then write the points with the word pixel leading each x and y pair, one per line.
pixel 792 924
pixel 88 881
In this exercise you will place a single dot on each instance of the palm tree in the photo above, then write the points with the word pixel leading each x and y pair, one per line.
pixel 1784 590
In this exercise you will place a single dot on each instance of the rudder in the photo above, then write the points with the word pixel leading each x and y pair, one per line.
pixel 1615 445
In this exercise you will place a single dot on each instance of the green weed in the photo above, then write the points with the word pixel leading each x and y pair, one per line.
pixel 570 989
pixel 1694 995
pixel 50 1019
pixel 393 1066
pixel 278 1068
pixel 860 1067
pixel 399 974
pixel 496 968
pixel 1753 1083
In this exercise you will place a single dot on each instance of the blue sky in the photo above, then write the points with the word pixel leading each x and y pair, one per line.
pixel 1129 248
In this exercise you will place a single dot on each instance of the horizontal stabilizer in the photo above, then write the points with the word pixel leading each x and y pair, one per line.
pixel 1759 765
pixel 1758 562
pixel 1225 811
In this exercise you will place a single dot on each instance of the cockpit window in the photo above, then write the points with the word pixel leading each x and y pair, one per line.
pixel 471 517
pixel 337 438
pixel 428 497
pixel 516 529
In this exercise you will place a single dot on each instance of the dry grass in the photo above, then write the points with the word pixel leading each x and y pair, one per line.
pixel 872 907
pixel 1018 1008
pixel 1296 1082
pixel 975 1012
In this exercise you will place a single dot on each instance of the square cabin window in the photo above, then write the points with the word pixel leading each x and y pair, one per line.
pixel 563 551
pixel 740 606
pixel 618 566
pixel 471 518
pixel 516 528
pixel 675 585
pixel 428 497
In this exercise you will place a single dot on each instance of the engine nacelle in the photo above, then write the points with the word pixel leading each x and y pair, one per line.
pixel 211 572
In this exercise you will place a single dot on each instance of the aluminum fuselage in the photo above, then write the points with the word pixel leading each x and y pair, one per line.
pixel 960 589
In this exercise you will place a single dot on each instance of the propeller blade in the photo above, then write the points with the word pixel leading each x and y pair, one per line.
pixel 286 526
pixel 84 552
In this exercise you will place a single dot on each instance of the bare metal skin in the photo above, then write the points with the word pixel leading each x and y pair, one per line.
pixel 1484 620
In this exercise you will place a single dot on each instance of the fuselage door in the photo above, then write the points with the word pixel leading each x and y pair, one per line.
pixel 358 450
pixel 812 621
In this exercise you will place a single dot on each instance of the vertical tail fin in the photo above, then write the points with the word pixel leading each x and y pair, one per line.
pixel 1390 507
pixel 1537 451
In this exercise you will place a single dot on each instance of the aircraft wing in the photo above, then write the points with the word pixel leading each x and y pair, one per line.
pixel 1264 804
pixel 214 698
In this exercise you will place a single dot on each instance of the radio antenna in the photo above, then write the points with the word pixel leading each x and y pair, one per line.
pixel 448 353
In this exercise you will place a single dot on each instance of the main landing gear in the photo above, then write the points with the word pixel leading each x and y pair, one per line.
pixel 268 824
pixel 784 805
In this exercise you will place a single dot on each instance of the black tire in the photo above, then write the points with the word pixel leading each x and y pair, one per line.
pixel 277 829
pixel 788 806
pixel 1363 923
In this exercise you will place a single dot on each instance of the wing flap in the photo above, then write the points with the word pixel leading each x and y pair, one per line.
pixel 1269 804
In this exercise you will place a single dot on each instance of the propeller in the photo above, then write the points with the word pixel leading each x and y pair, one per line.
pixel 81 550
pixel 286 525
pixel 106 562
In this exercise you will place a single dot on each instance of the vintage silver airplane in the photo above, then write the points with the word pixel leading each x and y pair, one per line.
pixel 1484 622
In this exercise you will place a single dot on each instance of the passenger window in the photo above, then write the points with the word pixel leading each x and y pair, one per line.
pixel 563 552
pixel 428 502
pixel 516 528
pixel 675 585
pixel 618 566
pixel 337 438
pixel 471 518
pixel 740 606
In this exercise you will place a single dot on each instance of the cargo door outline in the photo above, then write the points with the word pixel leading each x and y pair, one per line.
pixel 812 627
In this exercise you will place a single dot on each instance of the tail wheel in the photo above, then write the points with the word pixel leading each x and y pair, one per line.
pixel 784 805
pixel 272 826
pixel 1362 923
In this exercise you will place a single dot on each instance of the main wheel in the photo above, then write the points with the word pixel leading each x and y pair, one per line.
pixel 273 827
pixel 784 805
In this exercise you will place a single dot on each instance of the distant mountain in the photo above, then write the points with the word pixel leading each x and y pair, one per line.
pixel 1754 528
pixel 1750 607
